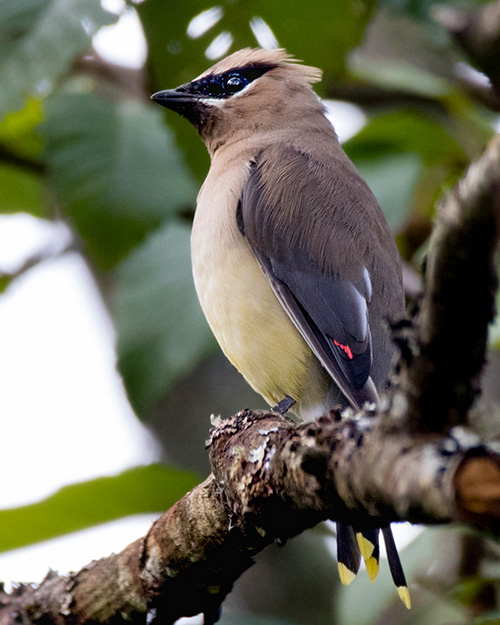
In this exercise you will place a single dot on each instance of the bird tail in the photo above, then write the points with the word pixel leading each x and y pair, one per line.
pixel 351 545
pixel 348 554
pixel 395 567
pixel 369 547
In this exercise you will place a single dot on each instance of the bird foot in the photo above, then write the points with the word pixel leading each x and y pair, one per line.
pixel 284 405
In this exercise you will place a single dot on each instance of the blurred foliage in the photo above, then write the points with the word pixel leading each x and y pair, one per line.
pixel 380 602
pixel 21 191
pixel 113 165
pixel 143 489
pixel 252 620
pixel 39 40
pixel 493 618
pixel 17 129
pixel 81 142
pixel 421 9
pixel 161 328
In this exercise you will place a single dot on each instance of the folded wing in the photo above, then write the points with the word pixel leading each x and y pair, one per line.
pixel 326 296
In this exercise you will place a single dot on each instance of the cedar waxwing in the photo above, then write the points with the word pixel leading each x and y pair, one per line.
pixel 294 264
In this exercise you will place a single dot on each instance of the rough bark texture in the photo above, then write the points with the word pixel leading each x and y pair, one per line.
pixel 282 478
pixel 271 480
pixel 186 564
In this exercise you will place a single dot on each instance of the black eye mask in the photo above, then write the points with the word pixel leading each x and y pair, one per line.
pixel 224 85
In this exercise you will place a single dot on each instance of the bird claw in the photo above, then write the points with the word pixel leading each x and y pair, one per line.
pixel 284 405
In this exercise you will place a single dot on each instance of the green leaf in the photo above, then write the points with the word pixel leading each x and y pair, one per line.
pixel 21 191
pixel 467 590
pixel 301 29
pixel 5 282
pixel 162 333
pixel 39 40
pixel 174 55
pixel 17 130
pixel 401 76
pixel 407 131
pixel 115 169
pixel 406 157
pixel 393 179
pixel 406 54
pixel 152 488
pixel 492 618
pixel 174 58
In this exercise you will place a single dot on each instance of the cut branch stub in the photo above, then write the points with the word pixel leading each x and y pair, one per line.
pixel 367 472
pixel 477 484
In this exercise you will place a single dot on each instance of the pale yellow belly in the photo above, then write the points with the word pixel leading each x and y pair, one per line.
pixel 246 318
pixel 252 328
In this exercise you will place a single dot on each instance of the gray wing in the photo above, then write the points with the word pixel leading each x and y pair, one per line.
pixel 326 297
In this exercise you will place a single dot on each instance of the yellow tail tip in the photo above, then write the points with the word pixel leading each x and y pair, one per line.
pixel 346 576
pixel 404 595
pixel 365 546
pixel 372 568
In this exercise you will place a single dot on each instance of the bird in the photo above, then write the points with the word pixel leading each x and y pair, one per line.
pixel 294 264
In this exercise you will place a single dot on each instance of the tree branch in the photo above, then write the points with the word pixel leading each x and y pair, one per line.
pixel 271 479
pixel 478 34
pixel 459 299
pixel 183 566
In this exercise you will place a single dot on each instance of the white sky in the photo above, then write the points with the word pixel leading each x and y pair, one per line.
pixel 122 43
pixel 65 414
pixel 57 362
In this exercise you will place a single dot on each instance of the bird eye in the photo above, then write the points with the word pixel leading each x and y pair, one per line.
pixel 234 84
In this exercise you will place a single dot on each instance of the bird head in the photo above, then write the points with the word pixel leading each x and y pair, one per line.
pixel 252 89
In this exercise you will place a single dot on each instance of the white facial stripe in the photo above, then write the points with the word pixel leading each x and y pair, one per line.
pixel 220 101
pixel 212 101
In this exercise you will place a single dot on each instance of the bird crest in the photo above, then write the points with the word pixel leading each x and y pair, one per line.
pixel 277 57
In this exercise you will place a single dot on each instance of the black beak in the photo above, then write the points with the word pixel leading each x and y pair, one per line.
pixel 178 100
